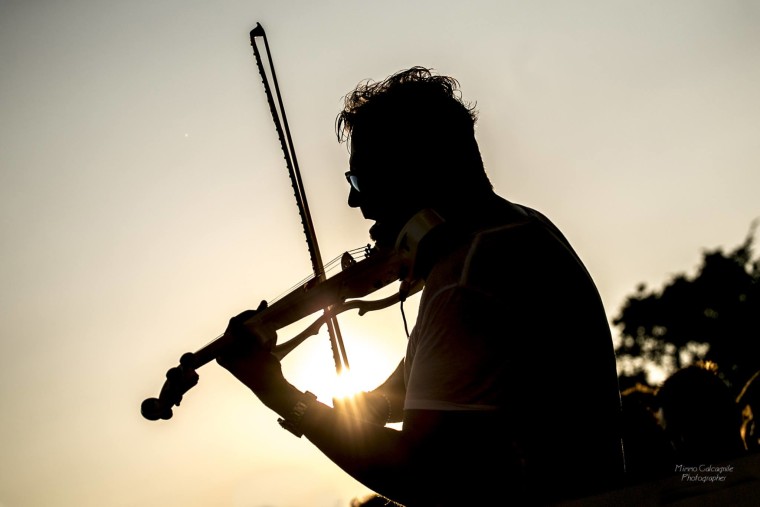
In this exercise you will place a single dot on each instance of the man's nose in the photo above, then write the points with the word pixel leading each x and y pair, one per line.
pixel 354 198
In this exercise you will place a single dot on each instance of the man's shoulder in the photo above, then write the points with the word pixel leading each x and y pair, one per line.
pixel 515 219
pixel 514 239
pixel 519 231
pixel 520 249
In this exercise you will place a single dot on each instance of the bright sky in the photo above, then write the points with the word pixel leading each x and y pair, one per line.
pixel 144 201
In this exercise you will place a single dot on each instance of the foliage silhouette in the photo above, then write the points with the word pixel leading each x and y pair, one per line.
pixel 713 315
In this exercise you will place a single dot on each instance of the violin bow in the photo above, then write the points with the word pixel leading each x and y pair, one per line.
pixel 286 142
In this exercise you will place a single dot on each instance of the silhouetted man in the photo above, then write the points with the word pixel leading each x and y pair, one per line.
pixel 508 389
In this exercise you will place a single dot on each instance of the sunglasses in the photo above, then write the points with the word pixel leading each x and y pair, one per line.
pixel 352 180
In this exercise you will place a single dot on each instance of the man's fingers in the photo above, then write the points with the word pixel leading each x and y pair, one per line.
pixel 242 342
pixel 237 323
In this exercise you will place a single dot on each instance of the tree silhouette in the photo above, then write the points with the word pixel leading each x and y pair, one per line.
pixel 712 316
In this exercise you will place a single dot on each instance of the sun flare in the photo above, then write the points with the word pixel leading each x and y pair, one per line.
pixel 374 343
pixel 314 370
pixel 365 374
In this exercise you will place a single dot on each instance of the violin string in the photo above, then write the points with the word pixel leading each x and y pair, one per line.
pixel 361 252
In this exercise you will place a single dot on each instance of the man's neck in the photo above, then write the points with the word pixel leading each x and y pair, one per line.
pixel 472 209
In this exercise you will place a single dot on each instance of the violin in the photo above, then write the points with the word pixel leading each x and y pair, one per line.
pixel 404 263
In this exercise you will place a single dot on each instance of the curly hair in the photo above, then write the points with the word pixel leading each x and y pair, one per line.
pixel 406 94
pixel 430 126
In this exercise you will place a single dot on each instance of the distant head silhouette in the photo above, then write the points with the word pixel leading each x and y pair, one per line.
pixel 700 415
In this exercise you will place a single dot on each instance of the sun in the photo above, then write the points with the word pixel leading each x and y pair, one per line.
pixel 375 343
pixel 317 373
pixel 350 382
pixel 372 356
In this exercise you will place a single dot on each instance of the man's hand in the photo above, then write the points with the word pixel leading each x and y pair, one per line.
pixel 249 359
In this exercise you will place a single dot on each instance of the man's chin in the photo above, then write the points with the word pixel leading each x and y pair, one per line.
pixel 384 235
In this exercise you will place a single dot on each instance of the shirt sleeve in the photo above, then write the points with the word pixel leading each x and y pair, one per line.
pixel 455 358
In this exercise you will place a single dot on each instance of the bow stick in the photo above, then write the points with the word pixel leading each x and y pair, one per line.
pixel 286 142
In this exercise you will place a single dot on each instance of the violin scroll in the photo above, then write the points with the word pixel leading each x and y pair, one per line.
pixel 179 380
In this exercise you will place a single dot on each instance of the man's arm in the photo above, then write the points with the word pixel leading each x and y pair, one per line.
pixel 425 463
pixel 385 460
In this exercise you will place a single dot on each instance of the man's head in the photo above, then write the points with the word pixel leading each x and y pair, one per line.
pixel 412 145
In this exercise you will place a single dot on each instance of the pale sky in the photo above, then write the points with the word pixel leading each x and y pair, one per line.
pixel 145 202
